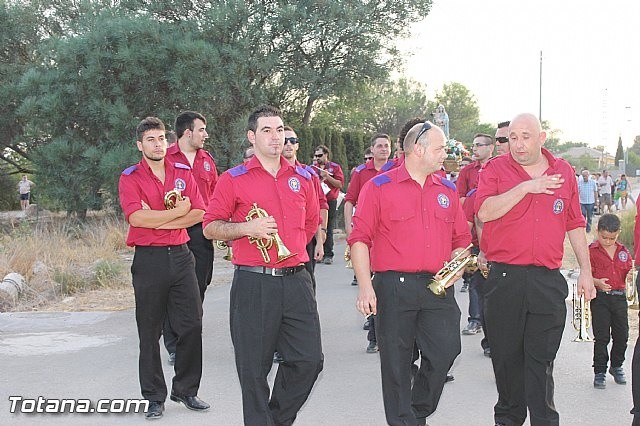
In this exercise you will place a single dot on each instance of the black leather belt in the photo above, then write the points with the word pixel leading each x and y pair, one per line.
pixel 274 272
pixel 613 292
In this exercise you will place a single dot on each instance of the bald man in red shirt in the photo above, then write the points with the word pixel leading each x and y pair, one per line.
pixel 528 201
pixel 409 222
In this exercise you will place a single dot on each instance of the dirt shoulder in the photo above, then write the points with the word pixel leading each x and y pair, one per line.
pixel 121 297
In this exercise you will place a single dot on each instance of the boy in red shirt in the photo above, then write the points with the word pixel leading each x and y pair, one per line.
pixel 610 264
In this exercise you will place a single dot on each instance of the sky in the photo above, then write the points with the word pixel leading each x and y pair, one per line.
pixel 590 62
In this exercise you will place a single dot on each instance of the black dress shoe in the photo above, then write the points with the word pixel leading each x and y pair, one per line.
pixel 155 410
pixel 191 402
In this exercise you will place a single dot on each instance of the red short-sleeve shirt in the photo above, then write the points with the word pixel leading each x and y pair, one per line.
pixel 289 197
pixel 616 268
pixel 408 227
pixel 138 184
pixel 204 169
pixel 361 175
pixel 533 231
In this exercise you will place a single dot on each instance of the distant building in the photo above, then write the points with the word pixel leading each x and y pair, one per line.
pixel 603 159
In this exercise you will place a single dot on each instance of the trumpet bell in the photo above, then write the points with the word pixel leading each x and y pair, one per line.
pixel 171 198
pixel 450 270
pixel 264 244
pixel 283 251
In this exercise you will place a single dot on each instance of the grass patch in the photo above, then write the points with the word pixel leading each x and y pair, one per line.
pixel 63 257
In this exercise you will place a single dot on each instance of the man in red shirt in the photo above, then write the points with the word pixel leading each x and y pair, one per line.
pixel 468 177
pixel 528 201
pixel 409 222
pixel 502 138
pixel 315 248
pixel 381 150
pixel 273 306
pixel 482 148
pixel 163 271
pixel 189 149
pixel 332 179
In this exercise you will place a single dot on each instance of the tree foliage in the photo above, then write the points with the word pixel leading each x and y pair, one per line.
pixel 619 151
pixel 462 108
pixel 377 106
pixel 78 75
pixel 330 46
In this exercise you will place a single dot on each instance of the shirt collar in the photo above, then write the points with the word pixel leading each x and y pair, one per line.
pixel 255 163
pixel 402 174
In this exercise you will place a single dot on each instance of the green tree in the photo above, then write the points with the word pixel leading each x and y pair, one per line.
pixel 377 106
pixel 328 46
pixel 619 150
pixel 462 108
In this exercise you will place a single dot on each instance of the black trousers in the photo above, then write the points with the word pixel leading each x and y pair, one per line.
pixel 525 313
pixel 331 224
pixel 635 380
pixel 311 264
pixel 609 321
pixel 164 284
pixel 202 250
pixel 408 312
pixel 268 314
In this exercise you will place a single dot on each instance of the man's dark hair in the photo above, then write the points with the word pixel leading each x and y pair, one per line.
pixel 325 149
pixel 504 124
pixel 149 123
pixel 185 121
pixel 379 136
pixel 483 135
pixel 408 126
pixel 288 129
pixel 171 137
pixel 609 222
pixel 262 111
pixel 367 151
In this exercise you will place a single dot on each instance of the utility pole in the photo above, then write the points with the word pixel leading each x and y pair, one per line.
pixel 540 100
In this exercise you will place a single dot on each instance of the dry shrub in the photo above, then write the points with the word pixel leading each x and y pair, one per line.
pixel 78 256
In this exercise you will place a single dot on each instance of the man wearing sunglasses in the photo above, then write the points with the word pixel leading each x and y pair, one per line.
pixel 528 201
pixel 315 248
pixel 332 179
pixel 482 148
pixel 409 222
pixel 502 138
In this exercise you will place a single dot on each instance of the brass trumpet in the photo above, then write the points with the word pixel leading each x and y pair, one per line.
pixel 171 198
pixel 223 245
pixel 450 270
pixel 264 244
pixel 581 316
pixel 630 288
pixel 347 257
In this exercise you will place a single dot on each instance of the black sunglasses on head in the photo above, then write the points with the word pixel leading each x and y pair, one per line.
pixel 502 139
pixel 426 126
pixel 292 141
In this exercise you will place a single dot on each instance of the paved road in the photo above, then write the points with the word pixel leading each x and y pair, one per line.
pixel 94 356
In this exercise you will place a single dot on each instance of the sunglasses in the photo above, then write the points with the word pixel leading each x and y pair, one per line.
pixel 318 155
pixel 426 126
pixel 368 158
pixel 292 141
pixel 502 139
